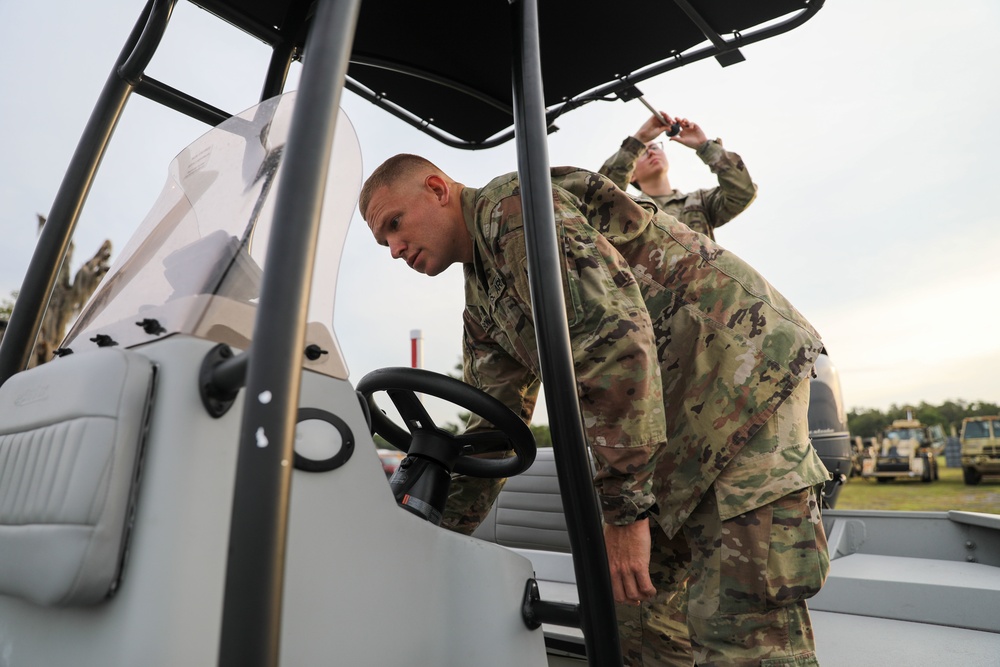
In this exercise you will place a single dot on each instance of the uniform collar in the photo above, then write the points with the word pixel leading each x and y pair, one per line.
pixel 475 273
pixel 674 195
pixel 469 196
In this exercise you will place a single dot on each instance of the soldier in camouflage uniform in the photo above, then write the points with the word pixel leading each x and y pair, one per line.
pixel 642 162
pixel 692 375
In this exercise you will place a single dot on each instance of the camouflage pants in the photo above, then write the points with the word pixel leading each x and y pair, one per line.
pixel 740 585
pixel 750 579
pixel 656 632
pixel 731 592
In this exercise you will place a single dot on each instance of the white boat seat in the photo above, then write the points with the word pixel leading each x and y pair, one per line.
pixel 528 513
pixel 71 435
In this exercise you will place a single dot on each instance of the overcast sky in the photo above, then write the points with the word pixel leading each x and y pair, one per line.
pixel 871 132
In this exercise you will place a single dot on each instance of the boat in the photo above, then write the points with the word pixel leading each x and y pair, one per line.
pixel 194 479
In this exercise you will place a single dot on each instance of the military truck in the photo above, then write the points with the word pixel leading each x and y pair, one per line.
pixel 905 451
pixel 980 448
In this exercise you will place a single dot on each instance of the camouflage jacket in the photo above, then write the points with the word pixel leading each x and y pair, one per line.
pixel 682 351
pixel 702 210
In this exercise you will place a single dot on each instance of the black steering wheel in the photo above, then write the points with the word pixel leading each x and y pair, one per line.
pixel 424 438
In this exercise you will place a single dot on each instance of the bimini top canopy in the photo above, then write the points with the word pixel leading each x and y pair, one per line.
pixel 445 67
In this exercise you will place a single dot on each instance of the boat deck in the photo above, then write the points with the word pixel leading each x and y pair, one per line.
pixel 905 588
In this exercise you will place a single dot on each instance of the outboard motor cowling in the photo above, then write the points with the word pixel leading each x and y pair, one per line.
pixel 828 426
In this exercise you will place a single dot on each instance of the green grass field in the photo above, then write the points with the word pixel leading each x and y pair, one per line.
pixel 947 493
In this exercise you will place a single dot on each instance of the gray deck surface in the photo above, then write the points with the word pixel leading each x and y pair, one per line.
pixel 847 640
pixel 902 590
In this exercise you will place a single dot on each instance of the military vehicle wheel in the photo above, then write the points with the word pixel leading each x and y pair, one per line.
pixel 424 437
pixel 928 475
pixel 971 476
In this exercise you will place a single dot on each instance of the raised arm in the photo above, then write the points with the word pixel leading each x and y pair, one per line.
pixel 736 190
pixel 619 167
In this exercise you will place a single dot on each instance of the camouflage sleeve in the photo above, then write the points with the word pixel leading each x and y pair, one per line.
pixel 621 394
pixel 489 367
pixel 618 377
pixel 486 366
pixel 736 190
pixel 619 167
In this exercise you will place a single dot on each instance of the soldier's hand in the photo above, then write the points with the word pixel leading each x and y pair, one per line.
pixel 652 128
pixel 628 560
pixel 691 134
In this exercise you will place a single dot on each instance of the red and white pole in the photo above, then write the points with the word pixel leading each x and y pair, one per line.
pixel 416 348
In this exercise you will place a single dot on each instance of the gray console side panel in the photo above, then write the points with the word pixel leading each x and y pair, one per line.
pixel 366 582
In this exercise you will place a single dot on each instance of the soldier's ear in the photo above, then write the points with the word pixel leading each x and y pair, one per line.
pixel 439 187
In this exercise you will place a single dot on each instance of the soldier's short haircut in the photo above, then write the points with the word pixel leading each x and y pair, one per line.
pixel 389 173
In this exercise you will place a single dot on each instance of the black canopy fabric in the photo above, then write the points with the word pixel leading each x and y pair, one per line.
pixel 445 66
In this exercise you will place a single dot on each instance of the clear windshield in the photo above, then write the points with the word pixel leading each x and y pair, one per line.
pixel 195 264
pixel 976 429
pixel 907 434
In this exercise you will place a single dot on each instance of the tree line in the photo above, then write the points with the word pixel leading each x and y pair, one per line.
pixel 65 301
pixel 864 422
pixel 867 422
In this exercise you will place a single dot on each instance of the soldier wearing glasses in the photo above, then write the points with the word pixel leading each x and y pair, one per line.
pixel 642 162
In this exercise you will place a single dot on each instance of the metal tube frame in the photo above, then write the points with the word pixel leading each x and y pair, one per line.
pixel 277 71
pixel 402 68
pixel 177 100
pixel 252 604
pixel 282 54
pixel 583 522
pixel 728 55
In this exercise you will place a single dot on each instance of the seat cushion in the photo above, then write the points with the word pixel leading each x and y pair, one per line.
pixel 528 513
pixel 71 436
